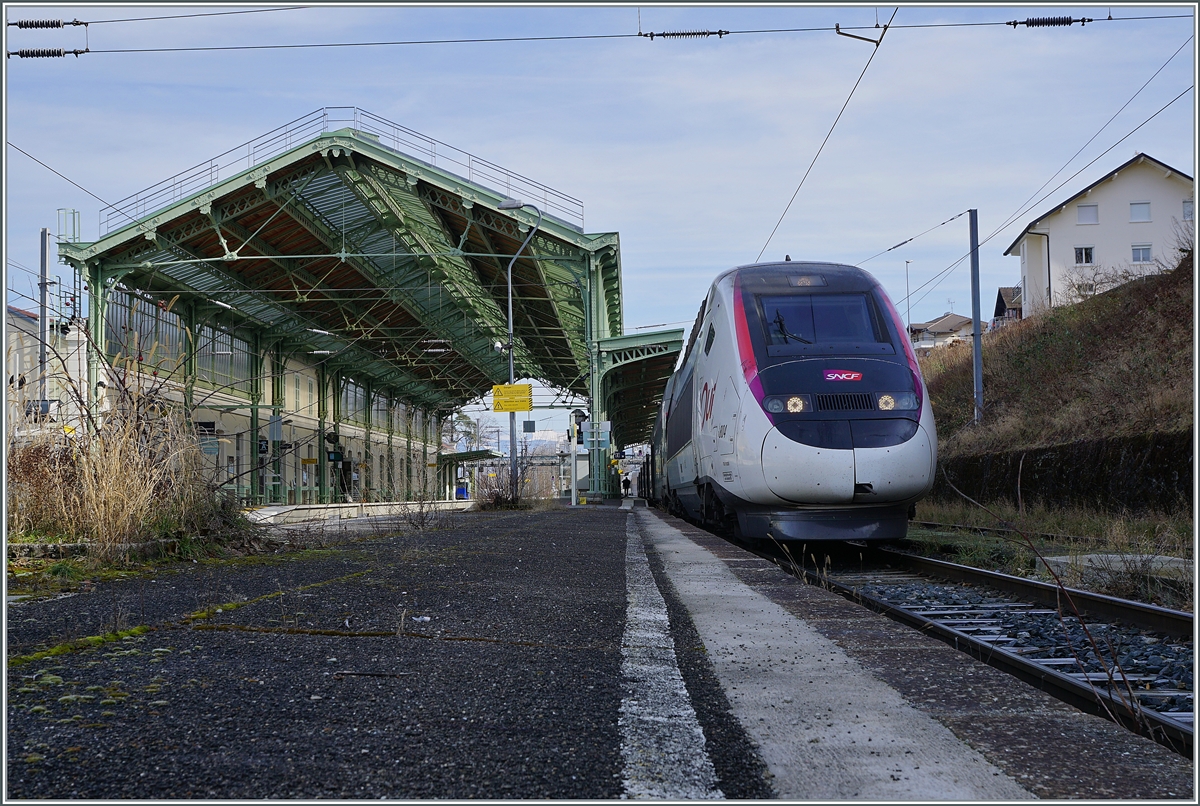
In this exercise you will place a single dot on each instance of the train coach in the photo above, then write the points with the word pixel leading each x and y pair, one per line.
pixel 798 412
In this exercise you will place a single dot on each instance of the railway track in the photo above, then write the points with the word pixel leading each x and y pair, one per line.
pixel 999 530
pixel 1127 661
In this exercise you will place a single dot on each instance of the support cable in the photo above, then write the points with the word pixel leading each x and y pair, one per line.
pixel 913 238
pixel 941 275
pixel 827 136
pixel 1025 206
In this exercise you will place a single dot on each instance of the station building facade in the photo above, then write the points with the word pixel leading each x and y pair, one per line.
pixel 276 427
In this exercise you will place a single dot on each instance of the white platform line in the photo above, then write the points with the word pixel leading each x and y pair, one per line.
pixel 662 744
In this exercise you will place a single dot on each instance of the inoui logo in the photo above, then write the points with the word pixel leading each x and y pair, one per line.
pixel 842 375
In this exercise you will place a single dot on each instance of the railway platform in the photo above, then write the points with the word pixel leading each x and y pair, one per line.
pixel 569 653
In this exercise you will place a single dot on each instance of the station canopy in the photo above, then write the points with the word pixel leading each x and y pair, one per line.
pixel 376 250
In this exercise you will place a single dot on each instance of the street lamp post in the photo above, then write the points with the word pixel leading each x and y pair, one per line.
pixel 514 204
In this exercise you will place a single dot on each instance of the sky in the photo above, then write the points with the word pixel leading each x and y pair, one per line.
pixel 689 148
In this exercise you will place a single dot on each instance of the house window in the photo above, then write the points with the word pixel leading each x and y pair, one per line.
pixel 1083 256
pixel 1187 210
pixel 1139 211
pixel 1141 253
pixel 1088 213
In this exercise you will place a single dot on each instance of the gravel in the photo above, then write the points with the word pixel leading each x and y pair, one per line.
pixel 1161 662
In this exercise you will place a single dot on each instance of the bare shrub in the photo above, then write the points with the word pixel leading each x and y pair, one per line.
pixel 494 490
pixel 422 512
pixel 129 473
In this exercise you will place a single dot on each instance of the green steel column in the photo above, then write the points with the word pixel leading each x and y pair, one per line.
pixel 391 456
pixel 97 310
pixel 364 472
pixel 99 284
pixel 408 418
pixel 597 470
pixel 424 454
pixel 437 471
pixel 188 314
pixel 336 388
pixel 277 393
pixel 322 414
pixel 256 392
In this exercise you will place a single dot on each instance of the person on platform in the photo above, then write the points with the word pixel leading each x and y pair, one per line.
pixel 626 483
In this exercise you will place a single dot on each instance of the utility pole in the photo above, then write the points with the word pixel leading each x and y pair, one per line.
pixel 43 321
pixel 978 333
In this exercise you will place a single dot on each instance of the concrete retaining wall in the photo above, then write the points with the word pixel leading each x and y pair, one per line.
pixel 305 513
pixel 1149 471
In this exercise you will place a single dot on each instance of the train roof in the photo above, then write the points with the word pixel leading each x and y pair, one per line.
pixel 851 276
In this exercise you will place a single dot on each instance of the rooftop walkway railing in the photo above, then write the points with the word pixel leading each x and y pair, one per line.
pixel 331 118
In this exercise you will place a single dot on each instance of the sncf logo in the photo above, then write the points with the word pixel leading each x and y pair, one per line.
pixel 842 375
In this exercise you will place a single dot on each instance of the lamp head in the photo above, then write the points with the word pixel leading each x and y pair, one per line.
pixel 510 204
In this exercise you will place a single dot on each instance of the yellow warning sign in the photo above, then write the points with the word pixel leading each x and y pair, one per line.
pixel 512 397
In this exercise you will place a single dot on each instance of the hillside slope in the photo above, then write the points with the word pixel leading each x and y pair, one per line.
pixel 1117 365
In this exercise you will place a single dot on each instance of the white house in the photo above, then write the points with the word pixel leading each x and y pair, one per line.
pixel 1122 224
pixel 947 328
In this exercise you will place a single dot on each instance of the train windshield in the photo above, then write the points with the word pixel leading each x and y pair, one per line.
pixel 798 319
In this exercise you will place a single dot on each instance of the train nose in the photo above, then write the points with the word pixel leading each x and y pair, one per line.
pixel 806 474
pixel 896 472
pixel 810 474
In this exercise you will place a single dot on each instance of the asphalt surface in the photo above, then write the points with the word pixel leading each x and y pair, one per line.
pixel 479 661
pixel 588 653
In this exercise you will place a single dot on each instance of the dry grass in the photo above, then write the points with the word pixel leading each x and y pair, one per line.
pixel 1117 364
pixel 1127 542
pixel 134 474
pixel 1090 527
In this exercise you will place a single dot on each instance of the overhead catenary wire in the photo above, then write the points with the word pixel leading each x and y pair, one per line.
pixel 578 37
pixel 985 240
pixel 71 181
pixel 1023 206
pixel 827 136
pixel 913 238
pixel 1030 203
pixel 45 24
pixel 941 275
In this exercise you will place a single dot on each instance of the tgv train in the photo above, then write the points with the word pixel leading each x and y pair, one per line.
pixel 798 412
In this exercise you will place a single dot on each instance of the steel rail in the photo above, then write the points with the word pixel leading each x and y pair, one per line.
pixel 1175 623
pixel 1080 694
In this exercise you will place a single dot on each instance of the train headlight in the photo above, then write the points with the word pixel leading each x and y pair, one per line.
pixel 792 404
pixel 896 401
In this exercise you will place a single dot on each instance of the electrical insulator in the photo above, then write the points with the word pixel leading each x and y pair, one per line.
pixel 685 34
pixel 1048 22
pixel 39 23
pixel 40 53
